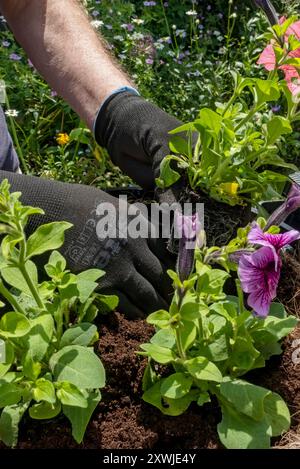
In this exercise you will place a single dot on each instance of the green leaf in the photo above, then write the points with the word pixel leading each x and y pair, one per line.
pixel 149 377
pixel 179 145
pixel 80 135
pixel 280 328
pixel 243 354
pixel 216 351
pixel 56 264
pixel 106 303
pixel 70 395
pixel 167 175
pixel 44 410
pixel 167 406
pixel 87 283
pixel 211 281
pixel 9 423
pixel 80 334
pixel 79 366
pixel 277 310
pixel 31 368
pixel 247 398
pixel 202 369
pixel 189 127
pixel 14 277
pixel 191 309
pixel 160 354
pixel 266 90
pixel 14 325
pixel 160 318
pixel 46 238
pixel 204 398
pixel 237 431
pixel 8 359
pixel 44 391
pixel 277 414
pixel 10 394
pixel 39 339
pixel 80 417
pixel 277 127
pixel 164 338
pixel 188 334
pixel 210 120
pixel 176 385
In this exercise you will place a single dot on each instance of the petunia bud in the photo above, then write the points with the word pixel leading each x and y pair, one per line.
pixel 291 204
pixel 269 10
pixel 188 228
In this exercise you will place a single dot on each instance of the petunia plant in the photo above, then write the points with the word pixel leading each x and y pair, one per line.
pixel 231 152
pixel 212 335
pixel 48 363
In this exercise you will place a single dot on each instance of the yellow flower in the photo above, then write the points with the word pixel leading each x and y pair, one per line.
pixel 230 188
pixel 62 139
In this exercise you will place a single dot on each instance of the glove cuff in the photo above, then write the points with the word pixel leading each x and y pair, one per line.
pixel 122 89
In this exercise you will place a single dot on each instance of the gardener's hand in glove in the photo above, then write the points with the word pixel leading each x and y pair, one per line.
pixel 133 267
pixel 135 133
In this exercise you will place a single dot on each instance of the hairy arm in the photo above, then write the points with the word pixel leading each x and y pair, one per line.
pixel 65 49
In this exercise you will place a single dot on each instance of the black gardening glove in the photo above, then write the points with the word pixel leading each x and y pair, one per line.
pixel 135 133
pixel 134 270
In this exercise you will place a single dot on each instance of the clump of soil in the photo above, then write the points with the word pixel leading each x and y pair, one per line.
pixel 289 287
pixel 123 421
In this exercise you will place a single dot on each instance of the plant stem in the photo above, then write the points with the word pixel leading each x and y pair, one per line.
pixel 166 20
pixel 32 287
pixel 23 269
pixel 179 344
pixel 11 299
pixel 240 295
pixel 246 119
pixel 16 140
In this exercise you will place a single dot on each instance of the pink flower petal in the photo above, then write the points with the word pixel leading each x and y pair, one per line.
pixel 294 29
pixel 295 54
pixel 268 58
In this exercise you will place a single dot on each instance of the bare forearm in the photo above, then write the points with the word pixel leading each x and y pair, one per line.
pixel 66 50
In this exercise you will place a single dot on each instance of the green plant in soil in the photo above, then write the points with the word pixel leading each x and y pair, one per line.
pixel 231 151
pixel 48 363
pixel 208 340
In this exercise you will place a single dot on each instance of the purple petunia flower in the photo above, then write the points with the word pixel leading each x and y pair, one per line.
pixel 273 241
pixel 259 272
pixel 15 57
pixel 259 277
pixel 149 61
pixel 151 3
pixel 5 43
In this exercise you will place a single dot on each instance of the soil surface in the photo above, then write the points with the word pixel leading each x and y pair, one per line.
pixel 123 421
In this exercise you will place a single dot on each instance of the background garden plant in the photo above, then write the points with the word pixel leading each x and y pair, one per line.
pixel 47 327
pixel 158 44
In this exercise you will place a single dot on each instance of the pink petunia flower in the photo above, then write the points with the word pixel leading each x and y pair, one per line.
pixel 259 277
pixel 273 241
pixel 259 272
pixel 268 58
